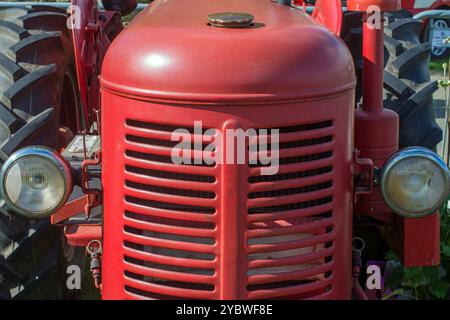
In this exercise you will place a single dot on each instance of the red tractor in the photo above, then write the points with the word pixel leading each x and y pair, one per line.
pixel 145 122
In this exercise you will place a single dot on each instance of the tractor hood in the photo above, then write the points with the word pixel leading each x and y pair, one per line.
pixel 172 51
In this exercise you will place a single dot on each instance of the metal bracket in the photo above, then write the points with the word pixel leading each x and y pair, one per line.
pixel 92 196
pixel 96 194
pixel 364 176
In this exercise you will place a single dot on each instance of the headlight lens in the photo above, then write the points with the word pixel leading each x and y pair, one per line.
pixel 415 182
pixel 35 181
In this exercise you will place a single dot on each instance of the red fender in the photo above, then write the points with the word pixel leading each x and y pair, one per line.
pixel 327 12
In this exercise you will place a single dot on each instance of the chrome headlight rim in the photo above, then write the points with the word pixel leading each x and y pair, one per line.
pixel 48 154
pixel 411 153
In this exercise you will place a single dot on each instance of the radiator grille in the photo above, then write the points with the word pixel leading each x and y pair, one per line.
pixel 172 211
pixel 169 229
pixel 290 217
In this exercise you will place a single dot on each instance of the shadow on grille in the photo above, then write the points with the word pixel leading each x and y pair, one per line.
pixel 292 144
pixel 290 175
pixel 276 224
pixel 151 295
pixel 166 127
pixel 294 244
pixel 169 206
pixel 171 191
pixel 170 175
pixel 170 283
pixel 165 159
pixel 301 143
pixel 290 191
pixel 167 267
pixel 291 206
pixel 169 236
pixel 167 143
pixel 294 252
pixel 299 159
pixel 314 264
pixel 292 283
pixel 170 252
pixel 170 222
pixel 305 127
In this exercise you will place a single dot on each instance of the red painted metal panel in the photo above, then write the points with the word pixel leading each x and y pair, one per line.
pixel 383 5
pixel 284 44
pixel 329 13
pixel 81 235
pixel 225 231
pixel 423 235
pixel 220 230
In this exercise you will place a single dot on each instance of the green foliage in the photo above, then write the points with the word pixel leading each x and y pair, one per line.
pixel 424 283
pixel 437 65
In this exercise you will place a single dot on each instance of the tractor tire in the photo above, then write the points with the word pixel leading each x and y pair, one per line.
pixel 408 89
pixel 37 79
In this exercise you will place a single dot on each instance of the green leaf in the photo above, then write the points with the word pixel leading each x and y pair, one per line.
pixel 390 255
pixel 439 288
pixel 444 208
pixel 393 294
pixel 446 250
pixel 395 278
pixel 431 273
pixel 415 277
pixel 413 273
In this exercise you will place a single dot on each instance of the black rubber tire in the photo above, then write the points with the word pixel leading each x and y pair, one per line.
pixel 408 87
pixel 35 54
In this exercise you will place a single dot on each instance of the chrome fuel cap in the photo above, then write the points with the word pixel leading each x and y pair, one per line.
pixel 231 19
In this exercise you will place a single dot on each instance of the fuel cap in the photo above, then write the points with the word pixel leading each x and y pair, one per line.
pixel 231 19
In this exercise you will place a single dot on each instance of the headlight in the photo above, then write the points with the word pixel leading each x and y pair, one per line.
pixel 35 181
pixel 415 182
